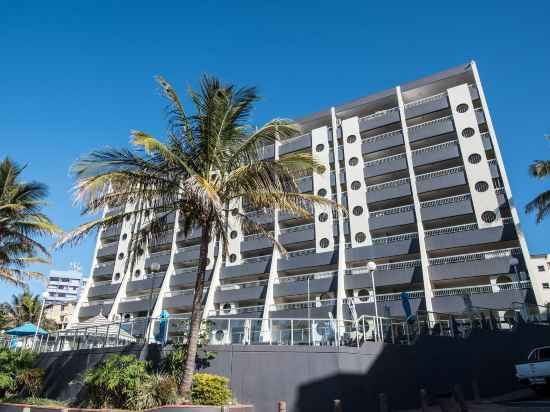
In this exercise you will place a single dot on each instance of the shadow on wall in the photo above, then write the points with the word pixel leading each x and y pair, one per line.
pixel 433 363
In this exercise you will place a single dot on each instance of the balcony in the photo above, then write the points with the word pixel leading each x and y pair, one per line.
pixel 239 312
pixel 95 307
pixel 306 258
pixel 162 258
pixel 399 273
pixel 501 297
pixel 389 190
pixel 388 304
pixel 436 153
pixel 140 303
pixel 251 266
pixel 104 270
pixel 151 282
pixel 305 184
pixel 319 283
pixel 178 299
pixel 432 128
pixel 193 235
pixel 267 152
pixel 187 277
pixel 103 289
pixel 492 262
pixel 385 165
pixel 381 142
pixel 383 247
pixel 297 234
pixel 318 309
pixel 379 119
pixel 113 231
pixel 395 216
pixel 107 252
pixel 426 105
pixel 245 291
pixel 261 217
pixel 187 256
pixel 295 144
pixel 441 179
pixel 446 207
pixel 468 234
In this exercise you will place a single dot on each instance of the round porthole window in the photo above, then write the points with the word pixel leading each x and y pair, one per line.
pixel 324 243
pixel 322 192
pixel 488 216
pixel 351 138
pixel 320 147
pixel 140 252
pixel 481 186
pixel 232 257
pixel 323 217
pixel 357 210
pixel 124 236
pixel 474 158
pixel 234 234
pixel 468 132
pixel 462 108
pixel 121 255
pixel 219 333
pixel 117 276
pixel 137 273
pixel 360 237
pixel 128 217
pixel 353 161
pixel 355 185
pixel 235 212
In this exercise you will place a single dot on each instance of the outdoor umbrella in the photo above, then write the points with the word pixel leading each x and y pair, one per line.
pixel 28 329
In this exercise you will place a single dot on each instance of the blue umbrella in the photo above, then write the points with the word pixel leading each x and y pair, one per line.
pixel 163 323
pixel 28 329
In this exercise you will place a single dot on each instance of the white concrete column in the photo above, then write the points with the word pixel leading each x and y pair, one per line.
pixel 356 187
pixel 341 287
pixel 478 173
pixel 536 282
pixel 417 209
pixel 273 269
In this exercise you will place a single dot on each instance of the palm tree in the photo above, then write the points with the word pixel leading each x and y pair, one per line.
pixel 540 169
pixel 211 162
pixel 25 308
pixel 21 222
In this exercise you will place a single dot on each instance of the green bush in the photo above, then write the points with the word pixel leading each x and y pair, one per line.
pixel 31 381
pixel 210 389
pixel 11 364
pixel 115 382
pixel 157 390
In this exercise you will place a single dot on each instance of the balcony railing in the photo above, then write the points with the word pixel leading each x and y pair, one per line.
pixel 303 277
pixel 385 159
pixel 395 238
pixel 186 270
pixel 445 200
pixel 386 266
pixel 438 173
pixel 429 123
pixel 302 252
pixel 97 302
pixel 244 285
pixel 183 292
pixel 102 283
pixel 425 100
pixel 471 290
pixel 435 147
pixel 297 228
pixel 380 113
pixel 387 297
pixel 391 211
pixel 237 311
pixel 471 257
pixel 381 136
pixel 303 305
pixel 392 183
pixel 452 229
pixel 256 259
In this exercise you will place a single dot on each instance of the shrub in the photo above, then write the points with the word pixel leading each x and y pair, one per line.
pixel 7 384
pixel 30 380
pixel 11 364
pixel 116 381
pixel 157 390
pixel 210 389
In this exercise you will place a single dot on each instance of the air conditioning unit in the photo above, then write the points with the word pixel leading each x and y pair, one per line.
pixel 127 317
pixel 321 332
pixel 228 308
pixel 361 296
pixel 218 337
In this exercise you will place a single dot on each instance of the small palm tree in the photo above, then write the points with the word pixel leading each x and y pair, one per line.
pixel 540 169
pixel 210 163
pixel 21 223
pixel 25 308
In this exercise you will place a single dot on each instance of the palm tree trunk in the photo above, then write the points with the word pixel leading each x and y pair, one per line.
pixel 196 316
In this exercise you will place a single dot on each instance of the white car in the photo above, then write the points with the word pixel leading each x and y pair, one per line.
pixel 535 373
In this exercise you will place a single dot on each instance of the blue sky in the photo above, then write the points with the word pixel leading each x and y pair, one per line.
pixel 76 76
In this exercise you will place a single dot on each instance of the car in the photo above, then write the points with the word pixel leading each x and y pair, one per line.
pixel 535 373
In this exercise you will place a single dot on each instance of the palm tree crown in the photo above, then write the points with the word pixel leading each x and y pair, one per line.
pixel 25 308
pixel 21 222
pixel 540 169
pixel 210 164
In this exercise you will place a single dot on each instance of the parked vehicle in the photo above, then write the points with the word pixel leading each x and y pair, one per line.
pixel 535 373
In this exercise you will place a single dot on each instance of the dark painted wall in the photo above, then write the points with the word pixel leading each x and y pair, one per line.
pixel 310 378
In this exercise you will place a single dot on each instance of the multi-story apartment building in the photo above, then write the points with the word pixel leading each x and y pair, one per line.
pixel 541 263
pixel 64 285
pixel 419 170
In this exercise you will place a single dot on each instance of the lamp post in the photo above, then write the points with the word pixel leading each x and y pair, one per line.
pixel 371 267
pixel 44 294
pixel 155 268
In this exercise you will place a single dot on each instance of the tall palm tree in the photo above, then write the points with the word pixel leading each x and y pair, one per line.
pixel 211 162
pixel 25 308
pixel 540 169
pixel 21 223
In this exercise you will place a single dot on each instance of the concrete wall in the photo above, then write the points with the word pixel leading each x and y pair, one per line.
pixel 309 378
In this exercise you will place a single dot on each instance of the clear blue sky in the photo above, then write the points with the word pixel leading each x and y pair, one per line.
pixel 76 76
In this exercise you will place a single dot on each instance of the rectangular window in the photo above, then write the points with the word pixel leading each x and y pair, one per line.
pixel 540 268
pixel 546 286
